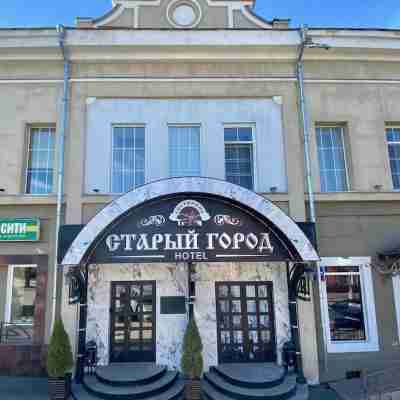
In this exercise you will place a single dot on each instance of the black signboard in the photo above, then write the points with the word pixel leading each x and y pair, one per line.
pixel 191 228
pixel 173 305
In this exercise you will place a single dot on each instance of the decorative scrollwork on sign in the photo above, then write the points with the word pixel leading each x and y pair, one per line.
pixel 227 219
pixel 153 220
pixel 387 265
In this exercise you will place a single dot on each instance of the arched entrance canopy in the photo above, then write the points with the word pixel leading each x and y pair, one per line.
pixel 227 220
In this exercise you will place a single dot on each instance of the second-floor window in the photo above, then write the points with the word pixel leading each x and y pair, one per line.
pixel 184 150
pixel 239 164
pixel 332 159
pixel 40 163
pixel 128 158
pixel 393 139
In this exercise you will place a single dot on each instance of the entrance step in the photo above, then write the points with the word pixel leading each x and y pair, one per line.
pixel 283 390
pixel 263 381
pixel 131 381
pixel 122 374
pixel 260 375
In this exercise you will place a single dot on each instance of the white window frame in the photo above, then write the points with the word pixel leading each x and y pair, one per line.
pixel 387 127
pixel 201 140
pixel 367 291
pixel 10 278
pixel 342 129
pixel 28 131
pixel 396 291
pixel 121 125
pixel 252 126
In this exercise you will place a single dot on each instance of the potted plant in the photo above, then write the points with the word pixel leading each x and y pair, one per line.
pixel 59 363
pixel 192 361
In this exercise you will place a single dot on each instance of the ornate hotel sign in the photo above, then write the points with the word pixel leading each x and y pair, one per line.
pixel 191 228
pixel 19 230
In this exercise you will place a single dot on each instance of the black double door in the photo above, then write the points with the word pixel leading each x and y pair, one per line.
pixel 133 330
pixel 245 322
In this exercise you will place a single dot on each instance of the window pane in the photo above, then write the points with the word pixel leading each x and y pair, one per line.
pixel 184 150
pixel 331 155
pixel 128 158
pixel 23 295
pixel 345 307
pixel 40 168
pixel 239 164
pixel 393 137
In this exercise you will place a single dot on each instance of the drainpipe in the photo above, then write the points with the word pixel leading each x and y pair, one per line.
pixel 304 120
pixel 60 173
pixel 307 42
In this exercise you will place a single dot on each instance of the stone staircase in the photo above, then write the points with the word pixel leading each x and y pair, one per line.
pixel 264 381
pixel 131 381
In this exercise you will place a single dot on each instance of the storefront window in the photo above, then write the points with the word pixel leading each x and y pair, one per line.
pixel 23 294
pixel 348 304
pixel 345 304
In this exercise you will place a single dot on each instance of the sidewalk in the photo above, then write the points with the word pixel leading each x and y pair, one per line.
pixel 23 388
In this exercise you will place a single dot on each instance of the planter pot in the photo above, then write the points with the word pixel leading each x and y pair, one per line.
pixel 60 388
pixel 192 389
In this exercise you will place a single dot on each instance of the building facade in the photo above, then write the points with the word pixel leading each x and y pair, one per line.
pixel 198 100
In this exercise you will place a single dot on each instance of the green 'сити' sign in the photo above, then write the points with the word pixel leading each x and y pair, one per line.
pixel 19 230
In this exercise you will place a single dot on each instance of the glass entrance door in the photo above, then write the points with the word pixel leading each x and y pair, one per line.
pixel 245 322
pixel 133 321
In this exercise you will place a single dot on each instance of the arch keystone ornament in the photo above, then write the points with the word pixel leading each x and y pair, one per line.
pixel 190 219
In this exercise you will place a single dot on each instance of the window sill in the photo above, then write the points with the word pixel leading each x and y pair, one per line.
pixel 348 347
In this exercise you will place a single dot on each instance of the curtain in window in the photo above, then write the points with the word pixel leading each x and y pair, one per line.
pixel 184 150
pixel 128 158
pixel 332 163
pixel 40 168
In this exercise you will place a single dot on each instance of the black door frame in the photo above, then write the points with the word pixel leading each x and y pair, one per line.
pixel 243 297
pixel 126 329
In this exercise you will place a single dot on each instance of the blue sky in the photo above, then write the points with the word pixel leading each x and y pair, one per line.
pixel 336 13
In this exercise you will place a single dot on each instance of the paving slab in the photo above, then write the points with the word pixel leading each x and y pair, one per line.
pixel 23 388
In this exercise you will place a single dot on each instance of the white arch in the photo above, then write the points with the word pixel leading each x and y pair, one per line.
pixel 166 187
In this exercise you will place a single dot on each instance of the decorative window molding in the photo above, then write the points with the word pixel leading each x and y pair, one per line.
pixel 393 142
pixel 239 143
pixel 184 14
pixel 39 173
pixel 9 292
pixel 333 167
pixel 371 341
pixel 396 291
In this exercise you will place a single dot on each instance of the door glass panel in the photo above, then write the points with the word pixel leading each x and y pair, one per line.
pixel 225 337
pixel 252 321
pixel 147 320
pixel 119 322
pixel 147 306
pixel 236 306
pixel 147 335
pixel 135 291
pixel 251 291
pixel 134 335
pixel 119 336
pixel 253 336
pixel 265 336
pixel 119 306
pixel 135 306
pixel 237 337
pixel 224 306
pixel 251 306
pixel 262 291
pixel 235 291
pixel 236 321
pixel 120 291
pixel 264 321
pixel 223 291
pixel 263 306
pixel 134 321
pixel 147 290
pixel 224 321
